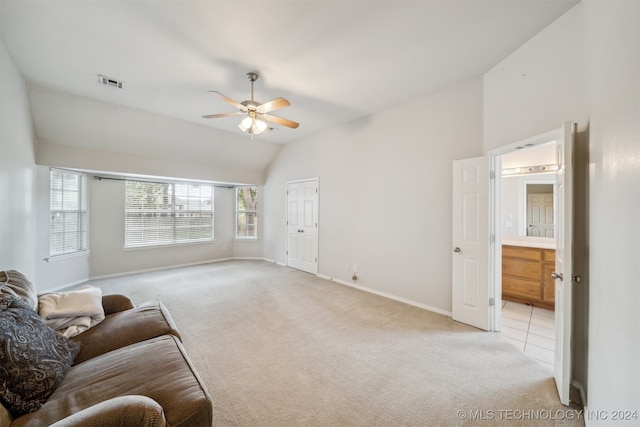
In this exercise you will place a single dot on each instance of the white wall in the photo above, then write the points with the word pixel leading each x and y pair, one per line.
pixel 612 60
pixel 586 68
pixel 78 132
pixel 385 193
pixel 106 210
pixel 538 87
pixel 17 172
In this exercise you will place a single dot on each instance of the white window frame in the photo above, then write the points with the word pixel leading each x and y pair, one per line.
pixel 246 211
pixel 66 200
pixel 140 237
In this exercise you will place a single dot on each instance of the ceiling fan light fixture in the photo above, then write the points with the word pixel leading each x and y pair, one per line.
pixel 246 124
pixel 251 125
pixel 260 125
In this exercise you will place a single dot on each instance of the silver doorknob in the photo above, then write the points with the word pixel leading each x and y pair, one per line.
pixel 556 276
pixel 456 249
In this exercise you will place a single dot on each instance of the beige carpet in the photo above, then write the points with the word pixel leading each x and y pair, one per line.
pixel 279 347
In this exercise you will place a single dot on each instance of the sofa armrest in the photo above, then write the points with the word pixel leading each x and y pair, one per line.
pixel 115 303
pixel 131 410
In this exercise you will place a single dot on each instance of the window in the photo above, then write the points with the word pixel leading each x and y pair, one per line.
pixel 68 210
pixel 246 212
pixel 159 213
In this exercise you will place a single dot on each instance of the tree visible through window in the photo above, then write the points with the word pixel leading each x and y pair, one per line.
pixel 159 213
pixel 68 212
pixel 246 212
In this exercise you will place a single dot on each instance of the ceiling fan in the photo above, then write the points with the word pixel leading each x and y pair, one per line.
pixel 256 113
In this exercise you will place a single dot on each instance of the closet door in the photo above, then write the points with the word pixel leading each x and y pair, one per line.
pixel 302 225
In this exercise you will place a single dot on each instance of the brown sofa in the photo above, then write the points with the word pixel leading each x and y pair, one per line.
pixel 131 369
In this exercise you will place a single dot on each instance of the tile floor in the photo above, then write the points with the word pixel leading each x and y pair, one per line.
pixel 531 329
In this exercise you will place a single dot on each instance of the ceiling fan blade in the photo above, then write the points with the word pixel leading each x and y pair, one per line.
pixel 280 121
pixel 272 105
pixel 215 116
pixel 229 100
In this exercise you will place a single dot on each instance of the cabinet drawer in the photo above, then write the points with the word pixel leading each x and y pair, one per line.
pixel 521 288
pixel 521 268
pixel 549 255
pixel 524 253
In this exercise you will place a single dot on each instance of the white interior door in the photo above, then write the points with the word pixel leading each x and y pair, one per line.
pixel 540 215
pixel 564 253
pixel 302 225
pixel 471 242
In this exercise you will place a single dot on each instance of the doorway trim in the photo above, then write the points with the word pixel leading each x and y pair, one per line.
pixel 495 285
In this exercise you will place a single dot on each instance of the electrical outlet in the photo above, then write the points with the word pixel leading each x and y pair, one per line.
pixel 355 268
pixel 347 266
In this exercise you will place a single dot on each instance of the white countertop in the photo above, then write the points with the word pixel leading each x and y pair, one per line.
pixel 530 242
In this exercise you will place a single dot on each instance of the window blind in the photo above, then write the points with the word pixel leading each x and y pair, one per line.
pixel 68 210
pixel 167 213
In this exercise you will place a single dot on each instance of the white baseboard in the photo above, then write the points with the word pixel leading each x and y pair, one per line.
pixel 167 267
pixel 387 295
pixel 342 282
pixel 67 286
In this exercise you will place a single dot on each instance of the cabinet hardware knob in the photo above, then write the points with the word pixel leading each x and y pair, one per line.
pixel 556 276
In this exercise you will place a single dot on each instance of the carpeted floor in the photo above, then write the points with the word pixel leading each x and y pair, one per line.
pixel 279 347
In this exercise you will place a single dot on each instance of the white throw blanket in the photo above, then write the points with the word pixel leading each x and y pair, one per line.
pixel 73 312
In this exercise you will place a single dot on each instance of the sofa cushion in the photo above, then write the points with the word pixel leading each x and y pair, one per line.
pixel 34 358
pixel 14 283
pixel 148 320
pixel 138 411
pixel 157 368
pixel 114 303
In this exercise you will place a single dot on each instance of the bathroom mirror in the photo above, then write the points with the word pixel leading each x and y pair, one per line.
pixel 539 210
pixel 528 207
pixel 528 194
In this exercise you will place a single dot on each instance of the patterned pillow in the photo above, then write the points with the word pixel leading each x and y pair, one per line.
pixel 14 283
pixel 33 357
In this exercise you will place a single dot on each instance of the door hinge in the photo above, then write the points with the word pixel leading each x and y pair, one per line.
pixel 316 259
pixel 316 190
pixel 287 252
pixel 492 238
pixel 492 175
pixel 492 302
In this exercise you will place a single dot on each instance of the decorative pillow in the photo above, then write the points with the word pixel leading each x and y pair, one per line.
pixel 14 283
pixel 33 357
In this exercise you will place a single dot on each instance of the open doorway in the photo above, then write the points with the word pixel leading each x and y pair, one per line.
pixel 477 242
pixel 527 222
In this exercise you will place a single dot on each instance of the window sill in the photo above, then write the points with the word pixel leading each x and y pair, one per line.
pixel 167 245
pixel 246 239
pixel 63 257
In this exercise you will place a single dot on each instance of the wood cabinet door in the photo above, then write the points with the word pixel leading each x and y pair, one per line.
pixel 548 284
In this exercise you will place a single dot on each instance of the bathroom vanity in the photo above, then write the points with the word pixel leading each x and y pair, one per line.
pixel 526 274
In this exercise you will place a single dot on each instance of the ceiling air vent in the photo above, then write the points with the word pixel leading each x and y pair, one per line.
pixel 110 82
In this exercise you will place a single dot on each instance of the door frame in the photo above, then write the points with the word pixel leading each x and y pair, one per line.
pixel 495 268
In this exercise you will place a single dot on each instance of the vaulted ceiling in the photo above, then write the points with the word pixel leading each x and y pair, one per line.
pixel 335 61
